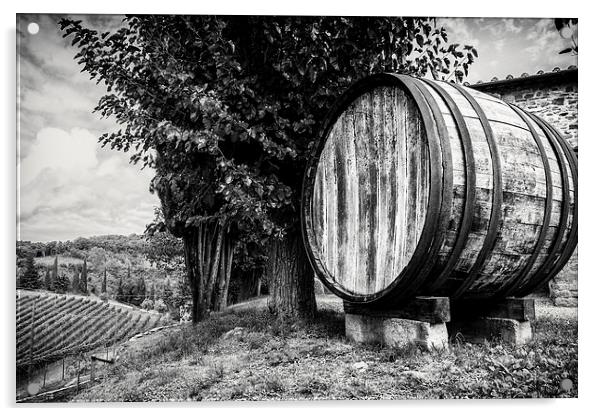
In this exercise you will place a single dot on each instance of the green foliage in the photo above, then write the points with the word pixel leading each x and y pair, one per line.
pixel 231 104
pixel 30 278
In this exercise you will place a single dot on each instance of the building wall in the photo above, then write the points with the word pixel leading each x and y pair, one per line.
pixel 552 96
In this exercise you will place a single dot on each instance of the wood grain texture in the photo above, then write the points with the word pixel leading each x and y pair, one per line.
pixel 507 206
pixel 421 308
pixel 371 190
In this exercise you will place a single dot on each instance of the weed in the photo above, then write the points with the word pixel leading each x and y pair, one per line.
pixel 274 384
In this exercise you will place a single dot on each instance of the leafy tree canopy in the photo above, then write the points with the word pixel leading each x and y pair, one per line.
pixel 226 108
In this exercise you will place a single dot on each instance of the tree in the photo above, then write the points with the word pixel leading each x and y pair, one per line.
pixel 62 283
pixel 152 292
pixel 120 296
pixel 30 278
pixel 75 281
pixel 55 275
pixel 103 287
pixel 48 284
pixel 147 304
pixel 138 292
pixel 168 294
pixel 83 280
pixel 227 109
pixel 160 306
pixel 567 28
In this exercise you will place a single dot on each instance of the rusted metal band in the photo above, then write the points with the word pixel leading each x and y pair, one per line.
pixel 469 187
pixel 519 278
pixel 496 203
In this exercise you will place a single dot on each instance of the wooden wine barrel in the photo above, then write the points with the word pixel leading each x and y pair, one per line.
pixel 420 187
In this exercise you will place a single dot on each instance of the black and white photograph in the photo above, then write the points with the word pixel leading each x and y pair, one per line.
pixel 295 207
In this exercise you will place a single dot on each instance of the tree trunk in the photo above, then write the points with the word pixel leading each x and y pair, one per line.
pixel 221 298
pixel 206 257
pixel 291 279
pixel 194 271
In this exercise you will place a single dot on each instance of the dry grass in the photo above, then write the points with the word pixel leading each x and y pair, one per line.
pixel 250 355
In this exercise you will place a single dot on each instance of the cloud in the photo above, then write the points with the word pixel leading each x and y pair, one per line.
pixel 511 26
pixel 68 185
pixel 67 191
pixel 56 150
pixel 460 31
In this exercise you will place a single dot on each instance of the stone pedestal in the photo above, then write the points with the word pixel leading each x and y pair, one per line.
pixel 477 331
pixel 420 321
pixel 508 320
pixel 395 332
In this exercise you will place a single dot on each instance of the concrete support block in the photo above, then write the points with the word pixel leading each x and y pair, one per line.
pixel 395 332
pixel 478 330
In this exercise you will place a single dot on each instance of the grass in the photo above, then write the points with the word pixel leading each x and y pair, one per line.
pixel 250 355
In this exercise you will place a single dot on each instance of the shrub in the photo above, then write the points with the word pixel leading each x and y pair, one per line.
pixel 160 306
pixel 147 304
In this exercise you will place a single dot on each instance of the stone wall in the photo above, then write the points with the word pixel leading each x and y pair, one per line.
pixel 552 96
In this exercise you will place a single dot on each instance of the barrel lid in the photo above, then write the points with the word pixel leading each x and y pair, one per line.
pixel 372 191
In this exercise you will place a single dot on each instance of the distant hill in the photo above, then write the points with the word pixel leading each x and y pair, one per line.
pixel 130 268
pixel 67 324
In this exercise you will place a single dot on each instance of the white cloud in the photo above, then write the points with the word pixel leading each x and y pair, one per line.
pixel 460 31
pixel 511 26
pixel 67 191
pixel 58 151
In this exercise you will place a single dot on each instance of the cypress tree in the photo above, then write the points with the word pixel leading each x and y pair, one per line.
pixel 103 288
pixel 55 269
pixel 48 280
pixel 83 280
pixel 75 283
pixel 120 297
pixel 30 278
pixel 139 291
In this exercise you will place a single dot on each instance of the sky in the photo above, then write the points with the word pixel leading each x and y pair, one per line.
pixel 69 187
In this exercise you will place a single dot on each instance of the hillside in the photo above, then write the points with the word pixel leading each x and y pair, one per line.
pixel 247 353
pixel 66 324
